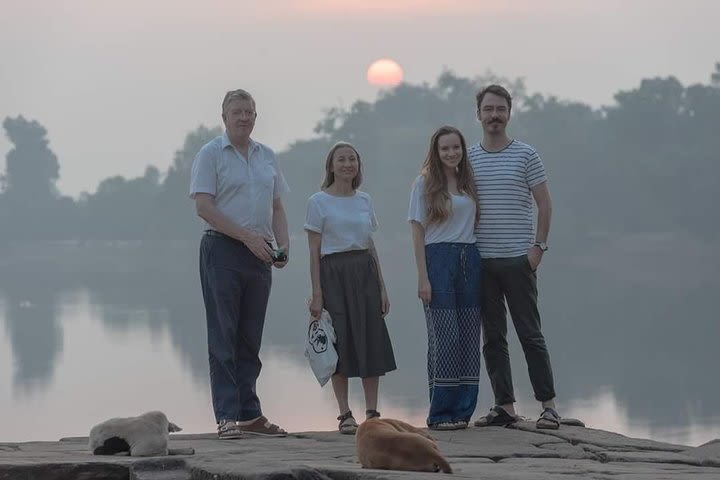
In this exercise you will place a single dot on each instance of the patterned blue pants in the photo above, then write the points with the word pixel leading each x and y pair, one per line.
pixel 453 323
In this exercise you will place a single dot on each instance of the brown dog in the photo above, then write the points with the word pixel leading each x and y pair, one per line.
pixel 389 444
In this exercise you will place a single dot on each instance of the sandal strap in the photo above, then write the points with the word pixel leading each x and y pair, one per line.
pixel 347 423
pixel 372 413
pixel 552 413
pixel 495 411
pixel 345 416
pixel 272 426
pixel 497 416
pixel 227 426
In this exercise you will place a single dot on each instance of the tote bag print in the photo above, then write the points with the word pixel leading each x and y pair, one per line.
pixel 320 348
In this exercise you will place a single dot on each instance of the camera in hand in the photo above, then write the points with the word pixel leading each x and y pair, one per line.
pixel 279 255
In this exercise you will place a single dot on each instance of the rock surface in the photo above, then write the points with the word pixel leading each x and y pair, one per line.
pixel 519 452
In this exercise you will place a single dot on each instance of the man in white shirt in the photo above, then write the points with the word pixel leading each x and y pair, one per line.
pixel 237 186
pixel 509 177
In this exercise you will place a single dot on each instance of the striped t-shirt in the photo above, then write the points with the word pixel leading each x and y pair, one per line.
pixel 503 181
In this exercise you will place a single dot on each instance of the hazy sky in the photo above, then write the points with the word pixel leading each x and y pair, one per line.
pixel 118 84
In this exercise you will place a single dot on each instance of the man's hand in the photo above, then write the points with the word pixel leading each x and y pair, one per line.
pixel 282 264
pixel 534 257
pixel 424 290
pixel 259 247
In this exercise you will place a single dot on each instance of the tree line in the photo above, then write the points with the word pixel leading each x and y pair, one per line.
pixel 646 163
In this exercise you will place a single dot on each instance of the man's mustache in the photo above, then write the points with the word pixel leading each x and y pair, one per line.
pixel 495 120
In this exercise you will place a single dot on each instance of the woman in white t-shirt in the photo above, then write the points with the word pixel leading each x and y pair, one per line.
pixel 443 213
pixel 347 281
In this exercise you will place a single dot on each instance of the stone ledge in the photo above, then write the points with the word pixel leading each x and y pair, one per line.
pixel 519 452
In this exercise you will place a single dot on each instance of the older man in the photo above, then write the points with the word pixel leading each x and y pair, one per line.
pixel 237 186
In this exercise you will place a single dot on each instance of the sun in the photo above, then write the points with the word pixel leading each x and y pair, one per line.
pixel 385 72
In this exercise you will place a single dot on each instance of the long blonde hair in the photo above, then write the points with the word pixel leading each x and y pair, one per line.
pixel 438 205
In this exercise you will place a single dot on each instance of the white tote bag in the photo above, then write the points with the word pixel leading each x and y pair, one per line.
pixel 320 348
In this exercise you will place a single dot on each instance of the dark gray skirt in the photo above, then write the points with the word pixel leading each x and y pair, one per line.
pixel 351 295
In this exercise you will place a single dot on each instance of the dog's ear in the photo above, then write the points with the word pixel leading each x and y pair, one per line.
pixel 173 428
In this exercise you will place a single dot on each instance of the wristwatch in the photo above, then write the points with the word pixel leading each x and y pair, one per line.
pixel 541 245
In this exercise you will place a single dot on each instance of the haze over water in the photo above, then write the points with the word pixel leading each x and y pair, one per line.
pixel 79 348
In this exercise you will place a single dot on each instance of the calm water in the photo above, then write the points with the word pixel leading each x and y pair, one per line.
pixel 86 336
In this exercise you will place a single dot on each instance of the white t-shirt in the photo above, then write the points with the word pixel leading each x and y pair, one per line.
pixel 344 223
pixel 458 228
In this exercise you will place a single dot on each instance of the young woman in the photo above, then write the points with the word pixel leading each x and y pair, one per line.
pixel 347 281
pixel 443 212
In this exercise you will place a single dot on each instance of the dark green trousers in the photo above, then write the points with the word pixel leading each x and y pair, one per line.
pixel 512 280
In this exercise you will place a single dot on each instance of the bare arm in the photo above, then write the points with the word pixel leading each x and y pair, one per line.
pixel 208 211
pixel 542 199
pixel 316 304
pixel 280 229
pixel 418 236
pixel 541 194
pixel 374 254
pixel 383 291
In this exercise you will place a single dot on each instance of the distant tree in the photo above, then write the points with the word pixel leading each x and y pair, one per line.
pixel 121 209
pixel 641 164
pixel 30 200
pixel 661 153
pixel 174 211
pixel 178 175
pixel 32 168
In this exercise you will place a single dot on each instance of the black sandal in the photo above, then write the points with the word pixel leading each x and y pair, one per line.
pixel 347 425
pixel 549 420
pixel 497 417
pixel 371 414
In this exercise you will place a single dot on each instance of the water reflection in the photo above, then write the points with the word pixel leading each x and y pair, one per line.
pixel 156 302
pixel 604 411
pixel 34 332
pixel 632 353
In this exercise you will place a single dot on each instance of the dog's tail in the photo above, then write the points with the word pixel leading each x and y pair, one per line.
pixel 442 464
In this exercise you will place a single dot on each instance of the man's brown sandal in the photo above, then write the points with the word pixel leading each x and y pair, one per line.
pixel 263 428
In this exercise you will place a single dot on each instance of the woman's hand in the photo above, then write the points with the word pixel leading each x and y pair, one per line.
pixel 316 306
pixel 384 302
pixel 424 290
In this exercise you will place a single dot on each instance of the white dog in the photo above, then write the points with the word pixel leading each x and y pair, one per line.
pixel 143 436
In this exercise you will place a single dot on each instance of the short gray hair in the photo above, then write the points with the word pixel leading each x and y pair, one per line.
pixel 238 94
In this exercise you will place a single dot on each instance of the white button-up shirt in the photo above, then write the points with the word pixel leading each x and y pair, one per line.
pixel 244 188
